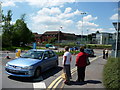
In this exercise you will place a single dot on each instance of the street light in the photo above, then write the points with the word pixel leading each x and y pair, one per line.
pixel 83 13
pixel 117 27
pixel 59 37
pixel 87 35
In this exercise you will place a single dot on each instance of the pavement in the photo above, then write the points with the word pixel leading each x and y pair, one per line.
pixel 93 78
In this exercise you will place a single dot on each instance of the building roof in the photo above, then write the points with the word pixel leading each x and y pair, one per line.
pixel 52 32
pixel 37 35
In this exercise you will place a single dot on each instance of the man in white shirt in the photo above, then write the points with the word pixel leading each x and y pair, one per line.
pixel 67 57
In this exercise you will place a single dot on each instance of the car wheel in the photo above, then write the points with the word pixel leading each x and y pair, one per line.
pixel 37 72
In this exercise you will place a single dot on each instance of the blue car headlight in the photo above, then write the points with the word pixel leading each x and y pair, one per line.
pixel 27 67
pixel 7 65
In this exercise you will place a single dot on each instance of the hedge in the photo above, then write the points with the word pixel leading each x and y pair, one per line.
pixel 62 52
pixel 13 48
pixel 98 46
pixel 111 74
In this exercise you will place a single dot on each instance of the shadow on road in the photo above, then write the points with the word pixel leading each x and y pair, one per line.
pixel 83 83
pixel 93 81
pixel 45 75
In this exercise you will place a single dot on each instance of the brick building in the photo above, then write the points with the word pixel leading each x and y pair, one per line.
pixel 45 37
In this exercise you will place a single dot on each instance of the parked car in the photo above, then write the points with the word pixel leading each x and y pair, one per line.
pixel 50 46
pixel 76 48
pixel 90 52
pixel 53 48
pixel 32 63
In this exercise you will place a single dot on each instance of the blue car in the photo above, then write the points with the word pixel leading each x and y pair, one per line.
pixel 32 63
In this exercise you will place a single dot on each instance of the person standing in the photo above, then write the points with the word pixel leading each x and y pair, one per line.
pixel 81 63
pixel 67 57
pixel 106 53
pixel 103 53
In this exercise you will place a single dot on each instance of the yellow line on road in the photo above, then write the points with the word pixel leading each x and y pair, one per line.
pixel 72 71
pixel 55 83
pixel 51 85
pixel 59 80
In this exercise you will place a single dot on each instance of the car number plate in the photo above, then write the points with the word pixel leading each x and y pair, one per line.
pixel 13 70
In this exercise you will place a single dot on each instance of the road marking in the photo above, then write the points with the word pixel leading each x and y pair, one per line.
pixel 59 79
pixel 95 58
pixel 40 85
pixel 57 83
pixel 51 85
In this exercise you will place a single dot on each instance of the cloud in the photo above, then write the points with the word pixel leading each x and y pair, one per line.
pixel 81 24
pixel 52 18
pixel 49 19
pixel 37 3
pixel 67 10
pixel 11 3
pixel 89 18
pixel 87 22
pixel 114 17
pixel 69 15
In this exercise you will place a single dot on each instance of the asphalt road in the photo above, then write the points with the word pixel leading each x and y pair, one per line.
pixel 44 81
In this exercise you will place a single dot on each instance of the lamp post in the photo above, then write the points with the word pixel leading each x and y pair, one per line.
pixel 87 35
pixel 59 37
pixel 117 26
pixel 83 13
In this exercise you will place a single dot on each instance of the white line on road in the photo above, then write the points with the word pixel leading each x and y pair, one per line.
pixel 95 58
pixel 39 85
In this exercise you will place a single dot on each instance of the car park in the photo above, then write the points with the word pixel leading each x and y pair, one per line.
pixel 90 52
pixel 32 63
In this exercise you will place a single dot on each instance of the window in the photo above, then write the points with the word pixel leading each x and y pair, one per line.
pixel 51 54
pixel 46 54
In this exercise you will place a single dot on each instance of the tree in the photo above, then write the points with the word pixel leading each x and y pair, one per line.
pixel 7 29
pixel 52 40
pixel 17 34
pixel 22 35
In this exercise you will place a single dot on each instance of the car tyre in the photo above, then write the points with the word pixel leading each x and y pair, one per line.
pixel 37 72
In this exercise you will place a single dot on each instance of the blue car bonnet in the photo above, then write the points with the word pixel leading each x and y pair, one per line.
pixel 24 61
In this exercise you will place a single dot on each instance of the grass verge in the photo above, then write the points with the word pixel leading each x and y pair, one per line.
pixel 111 73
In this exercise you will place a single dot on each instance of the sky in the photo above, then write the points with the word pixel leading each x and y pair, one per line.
pixel 51 15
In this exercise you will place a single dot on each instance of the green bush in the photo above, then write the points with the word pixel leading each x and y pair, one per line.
pixel 13 48
pixel 111 73
pixel 62 52
pixel 98 46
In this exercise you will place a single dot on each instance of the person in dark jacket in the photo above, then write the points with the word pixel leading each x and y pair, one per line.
pixel 81 64
pixel 103 53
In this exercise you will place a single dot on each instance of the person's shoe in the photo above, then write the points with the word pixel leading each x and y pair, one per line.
pixel 66 82
pixel 77 80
